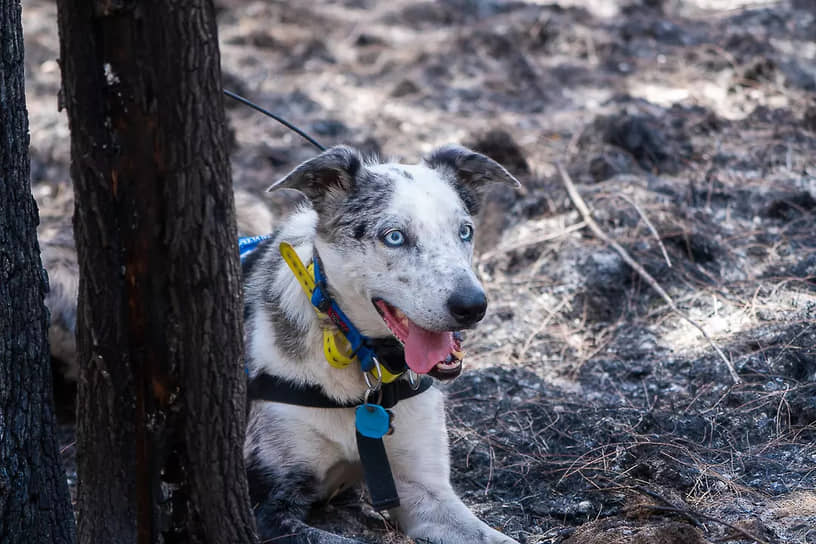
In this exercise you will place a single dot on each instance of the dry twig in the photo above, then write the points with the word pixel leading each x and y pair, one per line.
pixel 531 242
pixel 583 209
pixel 649 224
pixel 551 314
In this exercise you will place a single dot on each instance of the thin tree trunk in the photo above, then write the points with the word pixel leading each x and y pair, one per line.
pixel 161 390
pixel 34 502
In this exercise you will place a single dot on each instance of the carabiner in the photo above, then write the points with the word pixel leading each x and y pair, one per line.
pixel 378 384
pixel 413 379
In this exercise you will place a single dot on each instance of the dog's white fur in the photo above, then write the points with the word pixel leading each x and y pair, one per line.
pixel 435 214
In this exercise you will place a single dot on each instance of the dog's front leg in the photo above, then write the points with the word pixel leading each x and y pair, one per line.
pixel 286 466
pixel 283 499
pixel 435 514
pixel 418 451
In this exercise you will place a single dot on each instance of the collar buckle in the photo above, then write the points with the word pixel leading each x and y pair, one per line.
pixel 339 353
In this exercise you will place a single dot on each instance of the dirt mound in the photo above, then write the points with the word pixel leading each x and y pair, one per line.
pixel 617 532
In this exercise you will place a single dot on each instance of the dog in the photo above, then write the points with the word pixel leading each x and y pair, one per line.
pixel 394 243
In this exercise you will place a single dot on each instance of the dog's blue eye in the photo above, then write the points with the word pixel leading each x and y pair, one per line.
pixel 394 238
pixel 466 233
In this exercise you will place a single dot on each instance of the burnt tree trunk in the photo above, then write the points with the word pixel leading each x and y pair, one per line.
pixel 161 391
pixel 34 502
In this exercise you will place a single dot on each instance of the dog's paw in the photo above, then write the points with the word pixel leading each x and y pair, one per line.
pixel 496 537
pixel 445 535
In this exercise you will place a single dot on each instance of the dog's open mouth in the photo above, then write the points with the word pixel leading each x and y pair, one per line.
pixel 426 352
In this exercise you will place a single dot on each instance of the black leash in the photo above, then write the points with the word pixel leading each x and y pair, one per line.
pixel 277 118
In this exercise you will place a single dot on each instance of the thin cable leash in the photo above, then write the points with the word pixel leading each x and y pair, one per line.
pixel 277 118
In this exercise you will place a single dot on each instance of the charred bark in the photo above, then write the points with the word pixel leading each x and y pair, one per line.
pixel 161 390
pixel 34 502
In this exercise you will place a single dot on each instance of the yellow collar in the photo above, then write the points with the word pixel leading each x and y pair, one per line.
pixel 336 347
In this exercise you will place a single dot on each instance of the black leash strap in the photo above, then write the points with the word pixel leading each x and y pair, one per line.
pixel 377 472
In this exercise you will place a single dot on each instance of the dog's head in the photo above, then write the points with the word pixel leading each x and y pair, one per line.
pixel 396 243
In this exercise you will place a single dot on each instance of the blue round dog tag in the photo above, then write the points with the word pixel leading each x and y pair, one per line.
pixel 372 420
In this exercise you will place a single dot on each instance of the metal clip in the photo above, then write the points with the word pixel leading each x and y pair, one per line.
pixel 368 393
pixel 413 379
pixel 379 377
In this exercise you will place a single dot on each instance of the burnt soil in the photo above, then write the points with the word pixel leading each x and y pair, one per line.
pixel 590 412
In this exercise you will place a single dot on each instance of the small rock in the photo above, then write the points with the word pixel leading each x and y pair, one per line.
pixel 329 127
pixel 404 88
pixel 500 146
pixel 810 117
pixel 609 164
pixel 365 39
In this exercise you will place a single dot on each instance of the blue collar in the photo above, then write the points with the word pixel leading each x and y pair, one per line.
pixel 360 344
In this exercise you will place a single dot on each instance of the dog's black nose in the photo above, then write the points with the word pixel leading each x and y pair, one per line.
pixel 468 305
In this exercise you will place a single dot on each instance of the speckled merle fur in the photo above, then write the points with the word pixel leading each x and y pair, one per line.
pixel 353 217
pixel 264 262
pixel 467 171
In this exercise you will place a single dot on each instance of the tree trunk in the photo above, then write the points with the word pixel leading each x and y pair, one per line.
pixel 34 502
pixel 161 391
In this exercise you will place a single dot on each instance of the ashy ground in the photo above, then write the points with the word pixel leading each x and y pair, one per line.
pixel 590 412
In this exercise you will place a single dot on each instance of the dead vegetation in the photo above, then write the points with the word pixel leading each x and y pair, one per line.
pixel 593 411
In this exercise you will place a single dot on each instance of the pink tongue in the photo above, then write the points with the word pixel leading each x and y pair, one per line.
pixel 424 349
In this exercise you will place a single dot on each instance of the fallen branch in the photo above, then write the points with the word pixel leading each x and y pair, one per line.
pixel 583 209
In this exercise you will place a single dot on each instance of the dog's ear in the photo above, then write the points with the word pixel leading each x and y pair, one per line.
pixel 472 171
pixel 333 170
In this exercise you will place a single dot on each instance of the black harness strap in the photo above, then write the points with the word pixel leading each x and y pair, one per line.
pixel 376 468
pixel 377 472
pixel 274 389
